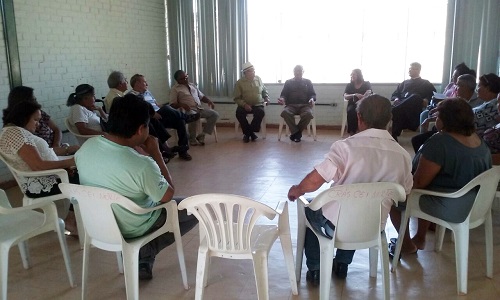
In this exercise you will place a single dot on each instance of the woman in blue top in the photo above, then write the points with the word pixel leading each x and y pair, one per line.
pixel 445 163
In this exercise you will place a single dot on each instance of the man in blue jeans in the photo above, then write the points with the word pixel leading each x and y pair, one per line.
pixel 371 155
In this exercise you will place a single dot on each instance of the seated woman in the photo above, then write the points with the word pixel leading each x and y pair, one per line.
pixel 445 163
pixel 46 128
pixel 27 152
pixel 82 111
pixel 357 89
pixel 492 138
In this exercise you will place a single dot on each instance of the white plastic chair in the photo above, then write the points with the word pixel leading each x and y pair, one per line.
pixel 358 227
pixel 263 125
pixel 101 231
pixel 344 118
pixel 63 176
pixel 22 223
pixel 228 230
pixel 79 137
pixel 480 214
pixel 310 127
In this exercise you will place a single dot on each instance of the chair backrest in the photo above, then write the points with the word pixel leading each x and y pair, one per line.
pixel 61 173
pixel 488 182
pixel 95 206
pixel 227 220
pixel 359 210
pixel 14 171
pixel 74 131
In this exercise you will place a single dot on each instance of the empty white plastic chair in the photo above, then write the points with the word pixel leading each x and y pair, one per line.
pixel 101 231
pixel 480 214
pixel 228 230
pixel 310 127
pixel 358 226
pixel 22 223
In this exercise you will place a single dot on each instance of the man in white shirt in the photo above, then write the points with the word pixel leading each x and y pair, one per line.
pixel 371 155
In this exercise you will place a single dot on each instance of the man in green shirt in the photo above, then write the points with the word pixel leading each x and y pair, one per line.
pixel 113 162
pixel 251 95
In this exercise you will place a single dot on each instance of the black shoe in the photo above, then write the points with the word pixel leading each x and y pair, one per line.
pixel 145 272
pixel 179 149
pixel 246 139
pixel 254 137
pixel 185 156
pixel 192 117
pixel 340 269
pixel 312 277
pixel 392 249
pixel 168 154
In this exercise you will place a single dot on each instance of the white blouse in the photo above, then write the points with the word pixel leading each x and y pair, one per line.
pixel 78 113
pixel 12 138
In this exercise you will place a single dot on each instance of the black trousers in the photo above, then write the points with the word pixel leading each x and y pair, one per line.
pixel 352 117
pixel 406 115
pixel 172 118
pixel 258 114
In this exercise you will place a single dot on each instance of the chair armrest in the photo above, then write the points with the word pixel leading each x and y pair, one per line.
pixel 61 173
pixel 39 204
pixel 459 193
pixel 303 201
pixel 133 207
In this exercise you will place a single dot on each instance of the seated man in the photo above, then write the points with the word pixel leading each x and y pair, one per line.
pixel 166 115
pixel 144 180
pixel 298 95
pixel 383 159
pixel 187 96
pixel 117 84
pixel 409 100
pixel 251 95
pixel 117 88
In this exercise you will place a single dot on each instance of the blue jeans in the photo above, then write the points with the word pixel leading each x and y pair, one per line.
pixel 311 244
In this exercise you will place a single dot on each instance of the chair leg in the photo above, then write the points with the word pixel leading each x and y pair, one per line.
pixel 215 134
pixel 301 236
pixel 286 245
pixel 373 257
pixel 25 254
pixel 488 235
pixel 384 262
pixel 440 231
pixel 313 125
pixel 65 251
pixel 4 269
pixel 259 259
pixel 180 255
pixel 79 223
pixel 85 265
pixel 131 272
pixel 202 272
pixel 402 229
pixel 119 260
pixel 280 129
pixel 461 232
pixel 326 259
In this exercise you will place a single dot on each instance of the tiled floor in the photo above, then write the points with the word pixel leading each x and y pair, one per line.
pixel 263 170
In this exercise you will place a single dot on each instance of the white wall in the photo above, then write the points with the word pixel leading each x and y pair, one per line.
pixel 64 43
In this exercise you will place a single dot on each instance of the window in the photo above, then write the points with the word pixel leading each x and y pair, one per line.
pixel 330 38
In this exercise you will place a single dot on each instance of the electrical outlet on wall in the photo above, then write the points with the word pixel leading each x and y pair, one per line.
pixel 334 104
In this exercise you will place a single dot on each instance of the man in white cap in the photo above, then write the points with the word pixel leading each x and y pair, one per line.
pixel 251 95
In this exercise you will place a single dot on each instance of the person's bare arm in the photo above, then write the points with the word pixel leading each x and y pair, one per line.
pixel 84 130
pixel 310 183
pixel 32 158
pixel 57 134
pixel 151 147
pixel 426 171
